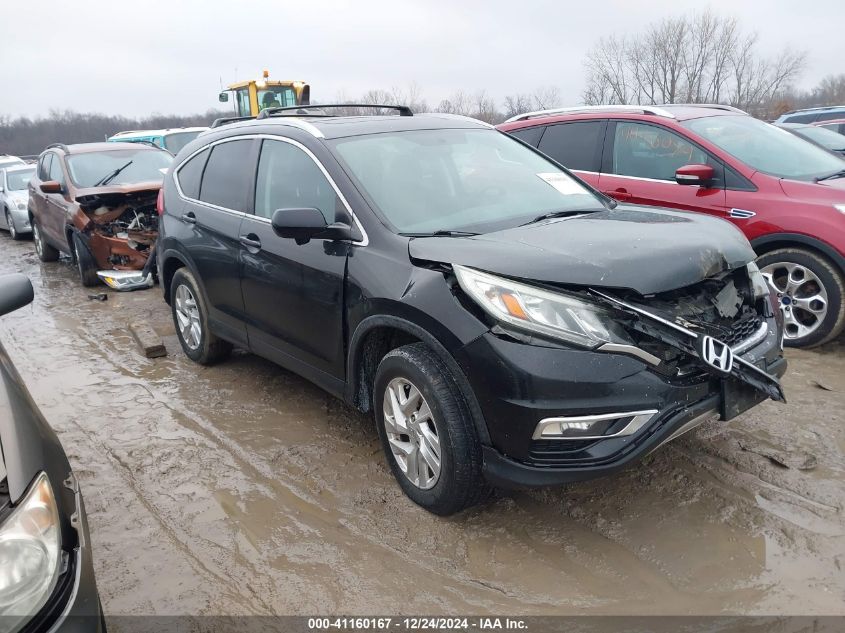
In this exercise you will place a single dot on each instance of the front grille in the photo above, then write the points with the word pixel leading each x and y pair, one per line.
pixel 741 329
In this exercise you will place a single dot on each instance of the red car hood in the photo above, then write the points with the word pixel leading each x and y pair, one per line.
pixel 832 190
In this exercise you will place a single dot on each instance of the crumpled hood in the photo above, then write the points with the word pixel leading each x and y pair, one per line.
pixel 647 250
pixel 110 193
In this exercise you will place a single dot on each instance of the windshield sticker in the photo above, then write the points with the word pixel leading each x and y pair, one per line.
pixel 562 183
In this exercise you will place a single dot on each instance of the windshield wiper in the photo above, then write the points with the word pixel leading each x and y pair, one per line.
pixel 560 214
pixel 111 176
pixel 441 233
pixel 836 174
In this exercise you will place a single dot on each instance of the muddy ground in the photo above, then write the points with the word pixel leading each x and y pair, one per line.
pixel 243 489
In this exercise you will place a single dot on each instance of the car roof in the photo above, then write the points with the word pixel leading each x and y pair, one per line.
pixel 816 109
pixel 672 112
pixel 343 126
pixel 162 132
pixel 87 148
pixel 17 167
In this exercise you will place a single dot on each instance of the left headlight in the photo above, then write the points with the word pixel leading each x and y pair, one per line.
pixel 551 314
pixel 30 554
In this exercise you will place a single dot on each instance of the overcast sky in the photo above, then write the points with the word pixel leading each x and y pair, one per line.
pixel 147 56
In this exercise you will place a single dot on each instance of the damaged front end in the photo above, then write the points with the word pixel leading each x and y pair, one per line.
pixel 711 327
pixel 120 228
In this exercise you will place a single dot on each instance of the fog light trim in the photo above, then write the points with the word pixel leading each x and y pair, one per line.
pixel 567 428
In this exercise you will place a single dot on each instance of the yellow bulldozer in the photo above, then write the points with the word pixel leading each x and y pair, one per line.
pixel 255 95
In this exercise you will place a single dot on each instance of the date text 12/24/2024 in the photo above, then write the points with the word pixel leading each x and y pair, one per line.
pixel 416 624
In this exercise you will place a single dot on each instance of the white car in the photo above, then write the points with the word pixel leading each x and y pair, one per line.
pixel 14 197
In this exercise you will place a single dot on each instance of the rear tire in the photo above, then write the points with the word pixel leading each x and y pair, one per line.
pixel 190 316
pixel 85 263
pixel 45 252
pixel 416 392
pixel 811 291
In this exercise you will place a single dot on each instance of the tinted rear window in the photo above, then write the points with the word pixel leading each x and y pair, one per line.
pixel 575 145
pixel 227 175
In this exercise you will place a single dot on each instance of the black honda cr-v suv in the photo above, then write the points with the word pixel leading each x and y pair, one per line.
pixel 507 324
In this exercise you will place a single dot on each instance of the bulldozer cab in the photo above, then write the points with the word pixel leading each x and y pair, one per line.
pixel 251 97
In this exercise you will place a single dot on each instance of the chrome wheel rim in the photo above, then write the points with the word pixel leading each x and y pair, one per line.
pixel 12 232
pixel 76 255
pixel 36 233
pixel 412 433
pixel 188 317
pixel 801 295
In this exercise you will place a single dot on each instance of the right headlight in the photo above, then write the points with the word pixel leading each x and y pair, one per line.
pixel 551 314
pixel 30 554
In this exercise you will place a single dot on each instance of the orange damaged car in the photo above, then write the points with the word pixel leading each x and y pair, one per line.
pixel 96 202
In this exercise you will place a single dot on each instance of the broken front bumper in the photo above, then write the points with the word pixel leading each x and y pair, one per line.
pixel 126 279
pixel 520 386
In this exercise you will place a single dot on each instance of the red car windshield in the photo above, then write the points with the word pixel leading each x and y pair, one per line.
pixel 766 148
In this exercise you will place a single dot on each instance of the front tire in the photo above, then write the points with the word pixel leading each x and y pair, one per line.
pixel 13 232
pixel 45 252
pixel 85 263
pixel 190 316
pixel 427 431
pixel 810 290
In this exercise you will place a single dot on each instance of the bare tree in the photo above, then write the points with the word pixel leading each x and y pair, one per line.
pixel 700 58
pixel 516 104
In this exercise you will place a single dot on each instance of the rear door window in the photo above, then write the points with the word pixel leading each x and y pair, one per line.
pixel 190 174
pixel 649 151
pixel 575 145
pixel 225 181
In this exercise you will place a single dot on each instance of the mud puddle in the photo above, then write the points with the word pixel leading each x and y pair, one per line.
pixel 243 489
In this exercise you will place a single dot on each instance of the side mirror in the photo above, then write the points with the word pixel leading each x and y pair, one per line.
pixel 700 175
pixel 304 224
pixel 51 186
pixel 15 292
pixel 223 97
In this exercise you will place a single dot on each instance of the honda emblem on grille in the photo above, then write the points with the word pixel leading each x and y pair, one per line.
pixel 716 354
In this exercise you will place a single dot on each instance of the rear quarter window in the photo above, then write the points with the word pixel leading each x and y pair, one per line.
pixel 189 175
pixel 530 135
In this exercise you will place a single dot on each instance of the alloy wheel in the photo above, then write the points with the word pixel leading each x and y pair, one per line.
pixel 412 433
pixel 801 295
pixel 36 234
pixel 188 317
pixel 13 233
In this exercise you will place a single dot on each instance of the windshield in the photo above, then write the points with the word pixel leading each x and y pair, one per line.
pixel 459 180
pixel 826 138
pixel 765 147
pixel 86 170
pixel 175 142
pixel 17 180
pixel 276 97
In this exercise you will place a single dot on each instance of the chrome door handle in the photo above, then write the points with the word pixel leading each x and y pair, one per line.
pixel 189 218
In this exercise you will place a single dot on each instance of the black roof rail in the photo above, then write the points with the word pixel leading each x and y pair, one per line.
pixel 61 146
pixel 302 110
pixel 229 119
